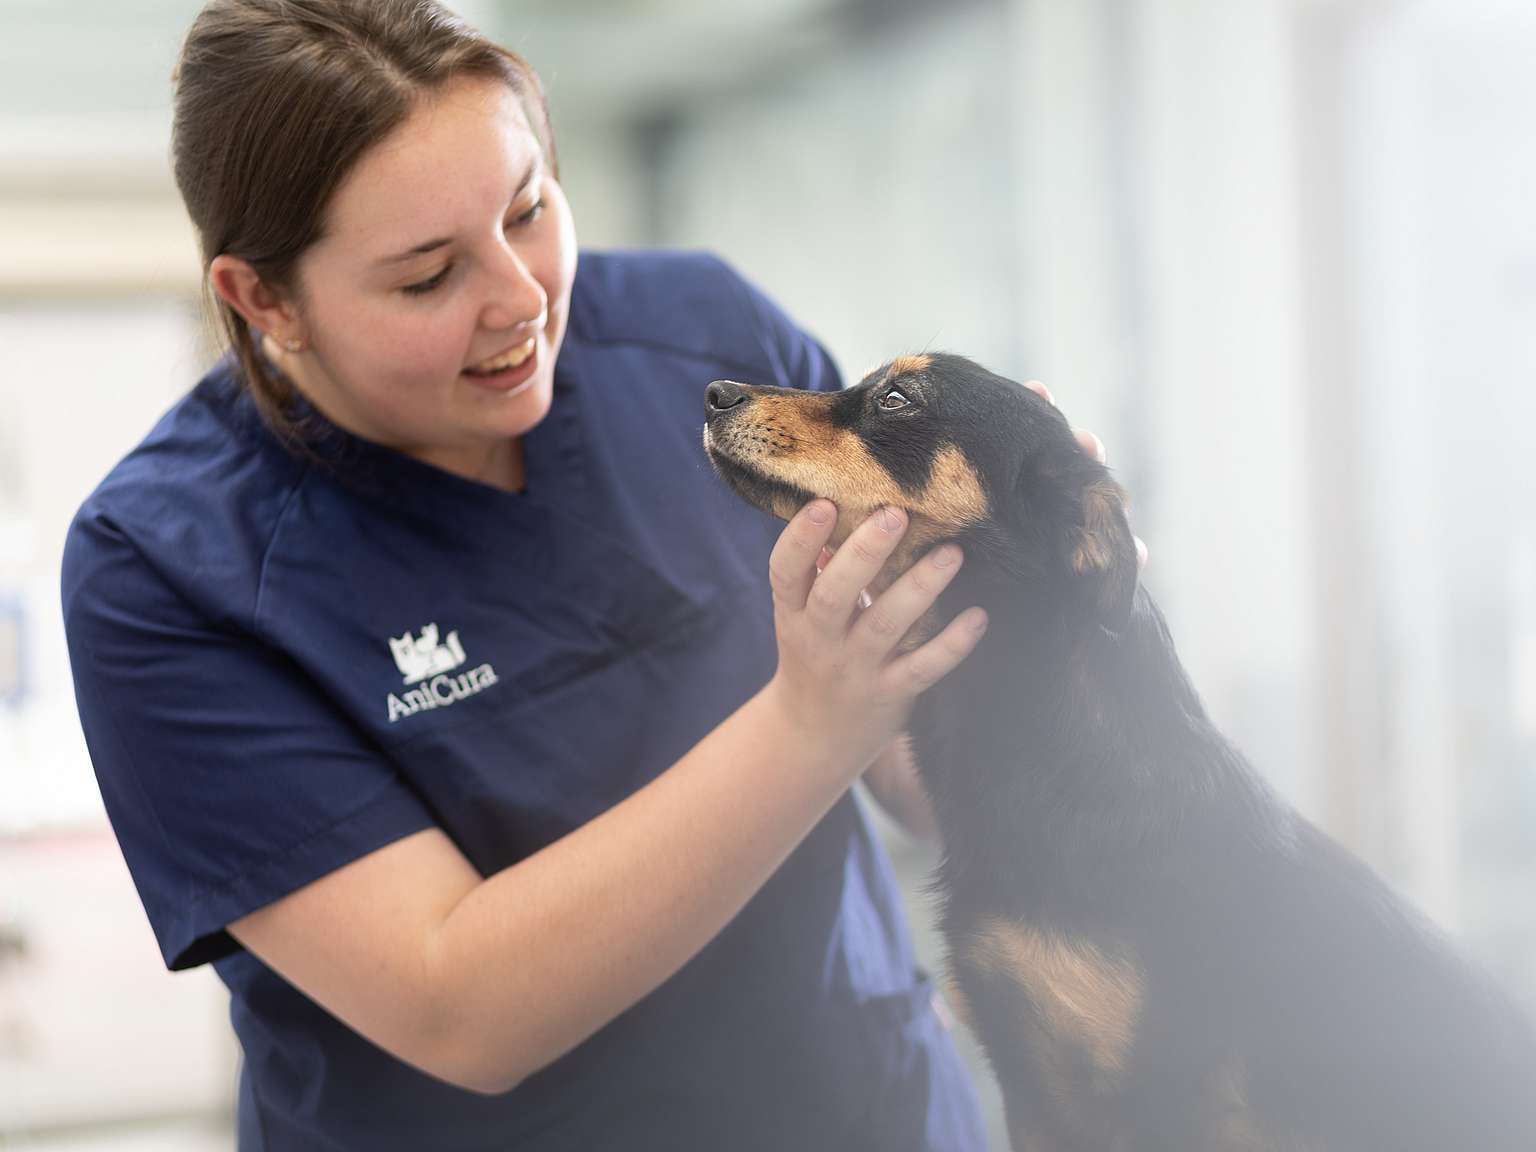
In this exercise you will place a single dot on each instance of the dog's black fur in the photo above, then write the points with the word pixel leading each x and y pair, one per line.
pixel 1156 952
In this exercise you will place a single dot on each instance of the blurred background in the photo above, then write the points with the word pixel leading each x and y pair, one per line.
pixel 1279 254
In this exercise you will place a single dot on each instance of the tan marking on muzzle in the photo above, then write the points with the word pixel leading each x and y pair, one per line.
pixel 952 502
pixel 833 462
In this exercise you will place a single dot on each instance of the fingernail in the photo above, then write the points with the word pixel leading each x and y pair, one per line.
pixel 946 556
pixel 1099 452
pixel 890 519
pixel 818 513
pixel 979 624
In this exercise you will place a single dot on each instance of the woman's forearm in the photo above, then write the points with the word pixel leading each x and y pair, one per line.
pixel 539 956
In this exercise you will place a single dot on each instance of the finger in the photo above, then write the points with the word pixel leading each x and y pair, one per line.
pixel 881 626
pixel 792 563
pixel 1091 445
pixel 1040 390
pixel 858 559
pixel 918 670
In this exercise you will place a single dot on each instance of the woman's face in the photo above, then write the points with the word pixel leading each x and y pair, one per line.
pixel 436 300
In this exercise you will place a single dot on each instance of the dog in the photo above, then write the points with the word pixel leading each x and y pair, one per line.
pixel 1155 952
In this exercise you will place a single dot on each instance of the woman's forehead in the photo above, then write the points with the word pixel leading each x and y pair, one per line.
pixel 460 153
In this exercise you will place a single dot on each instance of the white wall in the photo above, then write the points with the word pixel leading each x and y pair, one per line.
pixel 1439 118
pixel 866 193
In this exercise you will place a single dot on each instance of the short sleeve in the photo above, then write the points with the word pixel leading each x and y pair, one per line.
pixel 229 778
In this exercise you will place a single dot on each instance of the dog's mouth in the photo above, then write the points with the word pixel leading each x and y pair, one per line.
pixel 780 497
pixel 774 496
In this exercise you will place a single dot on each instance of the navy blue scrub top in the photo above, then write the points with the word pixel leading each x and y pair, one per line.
pixel 284 664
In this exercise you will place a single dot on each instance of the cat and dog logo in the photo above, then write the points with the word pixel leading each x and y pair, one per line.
pixel 428 663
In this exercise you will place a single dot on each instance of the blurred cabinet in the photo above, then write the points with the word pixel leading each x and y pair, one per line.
pixel 92 1026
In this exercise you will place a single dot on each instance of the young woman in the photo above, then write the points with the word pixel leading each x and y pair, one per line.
pixel 442 699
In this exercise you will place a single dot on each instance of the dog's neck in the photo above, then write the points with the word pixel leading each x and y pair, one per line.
pixel 1054 729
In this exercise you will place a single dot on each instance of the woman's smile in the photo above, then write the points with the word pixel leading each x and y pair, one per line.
pixel 510 371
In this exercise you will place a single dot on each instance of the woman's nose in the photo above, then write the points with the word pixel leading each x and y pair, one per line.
pixel 517 297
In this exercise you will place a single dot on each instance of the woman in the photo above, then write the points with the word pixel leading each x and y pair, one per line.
pixel 494 755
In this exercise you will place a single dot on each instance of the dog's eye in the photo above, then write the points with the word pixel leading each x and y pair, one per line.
pixel 893 400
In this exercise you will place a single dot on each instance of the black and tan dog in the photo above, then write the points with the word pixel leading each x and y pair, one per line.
pixel 1157 954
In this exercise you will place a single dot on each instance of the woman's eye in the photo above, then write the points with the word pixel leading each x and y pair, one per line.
pixel 893 400
pixel 422 287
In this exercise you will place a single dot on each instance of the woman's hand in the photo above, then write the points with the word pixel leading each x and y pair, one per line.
pixel 839 678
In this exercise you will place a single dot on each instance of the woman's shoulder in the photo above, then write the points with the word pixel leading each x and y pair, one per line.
pixel 691 302
pixel 191 506
pixel 625 275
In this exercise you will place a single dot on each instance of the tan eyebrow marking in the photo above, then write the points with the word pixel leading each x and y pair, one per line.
pixel 910 365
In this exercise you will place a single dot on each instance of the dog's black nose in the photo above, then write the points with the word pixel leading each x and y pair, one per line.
pixel 723 394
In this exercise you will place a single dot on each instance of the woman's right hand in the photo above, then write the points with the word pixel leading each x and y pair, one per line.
pixel 840 679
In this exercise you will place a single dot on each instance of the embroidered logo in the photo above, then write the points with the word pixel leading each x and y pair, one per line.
pixel 418 657
pixel 425 661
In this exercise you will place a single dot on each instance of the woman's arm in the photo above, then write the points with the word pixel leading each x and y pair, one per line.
pixel 482 982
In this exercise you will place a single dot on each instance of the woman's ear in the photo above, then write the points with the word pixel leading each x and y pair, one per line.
pixel 264 309
pixel 1101 550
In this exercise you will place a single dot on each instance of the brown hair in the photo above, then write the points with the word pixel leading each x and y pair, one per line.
pixel 277 100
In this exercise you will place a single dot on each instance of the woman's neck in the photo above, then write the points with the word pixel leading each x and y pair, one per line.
pixel 496 463
pixel 499 464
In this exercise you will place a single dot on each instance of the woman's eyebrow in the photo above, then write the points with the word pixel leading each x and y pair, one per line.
pixel 422 249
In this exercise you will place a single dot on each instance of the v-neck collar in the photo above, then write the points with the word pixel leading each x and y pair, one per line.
pixel 554 470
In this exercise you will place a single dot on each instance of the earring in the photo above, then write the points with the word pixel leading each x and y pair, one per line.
pixel 290 345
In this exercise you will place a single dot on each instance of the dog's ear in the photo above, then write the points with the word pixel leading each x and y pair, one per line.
pixel 1065 521
pixel 1101 551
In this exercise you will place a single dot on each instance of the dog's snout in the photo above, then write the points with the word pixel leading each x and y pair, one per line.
pixel 723 394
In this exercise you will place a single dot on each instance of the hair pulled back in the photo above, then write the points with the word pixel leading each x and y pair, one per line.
pixel 277 100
